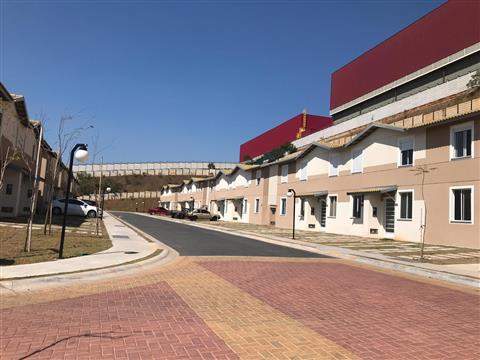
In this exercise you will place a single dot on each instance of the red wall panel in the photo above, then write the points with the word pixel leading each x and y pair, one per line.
pixel 446 30
pixel 282 134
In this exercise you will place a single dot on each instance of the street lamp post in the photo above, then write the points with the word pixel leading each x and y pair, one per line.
pixel 292 193
pixel 80 153
pixel 108 189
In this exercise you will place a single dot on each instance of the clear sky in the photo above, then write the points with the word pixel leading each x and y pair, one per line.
pixel 185 80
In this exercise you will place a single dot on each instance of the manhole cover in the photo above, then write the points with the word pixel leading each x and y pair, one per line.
pixel 121 236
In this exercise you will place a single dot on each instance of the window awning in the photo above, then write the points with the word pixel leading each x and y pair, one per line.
pixel 379 189
pixel 237 197
pixel 314 193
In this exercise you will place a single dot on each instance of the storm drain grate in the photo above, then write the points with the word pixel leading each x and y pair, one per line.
pixel 121 236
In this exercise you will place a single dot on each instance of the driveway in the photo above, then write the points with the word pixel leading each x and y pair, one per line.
pixel 194 241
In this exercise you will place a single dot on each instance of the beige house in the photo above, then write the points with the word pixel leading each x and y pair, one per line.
pixel 372 184
pixel 367 183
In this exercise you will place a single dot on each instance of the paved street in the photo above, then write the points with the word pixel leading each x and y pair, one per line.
pixel 281 305
pixel 193 241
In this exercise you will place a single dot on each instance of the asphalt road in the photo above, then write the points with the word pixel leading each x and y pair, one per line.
pixel 194 241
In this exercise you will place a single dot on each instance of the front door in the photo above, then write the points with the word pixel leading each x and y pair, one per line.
pixel 389 217
pixel 323 213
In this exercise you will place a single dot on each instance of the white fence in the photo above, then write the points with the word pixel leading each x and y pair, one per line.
pixel 154 168
pixel 126 195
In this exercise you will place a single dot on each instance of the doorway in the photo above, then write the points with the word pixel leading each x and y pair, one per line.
pixel 389 217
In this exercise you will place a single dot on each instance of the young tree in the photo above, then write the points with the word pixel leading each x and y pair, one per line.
pixel 423 170
pixel 65 138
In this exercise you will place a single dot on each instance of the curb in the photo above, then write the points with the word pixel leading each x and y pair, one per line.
pixel 163 255
pixel 342 253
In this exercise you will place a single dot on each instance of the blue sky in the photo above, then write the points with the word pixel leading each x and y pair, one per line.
pixel 185 80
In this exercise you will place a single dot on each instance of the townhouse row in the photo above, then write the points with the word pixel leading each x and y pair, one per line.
pixel 19 148
pixel 403 178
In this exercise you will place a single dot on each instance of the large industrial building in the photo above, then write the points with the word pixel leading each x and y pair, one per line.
pixel 299 126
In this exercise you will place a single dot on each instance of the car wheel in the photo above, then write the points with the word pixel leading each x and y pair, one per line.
pixel 194 218
pixel 91 214
pixel 56 211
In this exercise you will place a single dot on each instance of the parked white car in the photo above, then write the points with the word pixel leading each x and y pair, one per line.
pixel 75 207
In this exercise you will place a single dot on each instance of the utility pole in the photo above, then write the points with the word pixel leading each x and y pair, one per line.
pixel 33 205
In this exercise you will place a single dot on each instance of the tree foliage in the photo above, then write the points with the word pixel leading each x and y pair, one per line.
pixel 89 184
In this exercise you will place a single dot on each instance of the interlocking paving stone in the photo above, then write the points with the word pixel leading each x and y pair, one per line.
pixel 147 321
pixel 374 315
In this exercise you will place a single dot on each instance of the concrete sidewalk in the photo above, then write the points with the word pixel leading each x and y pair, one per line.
pixel 464 274
pixel 127 246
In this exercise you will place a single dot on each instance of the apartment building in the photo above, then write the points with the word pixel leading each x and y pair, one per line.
pixel 19 138
pixel 401 160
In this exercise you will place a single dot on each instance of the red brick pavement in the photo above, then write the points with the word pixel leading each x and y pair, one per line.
pixel 140 323
pixel 374 315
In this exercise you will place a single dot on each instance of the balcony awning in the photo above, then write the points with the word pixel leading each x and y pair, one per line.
pixel 378 189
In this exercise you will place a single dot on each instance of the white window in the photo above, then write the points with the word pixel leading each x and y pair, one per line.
pixel 257 205
pixel 284 174
pixel 405 146
pixel 334 162
pixel 244 206
pixel 302 208
pixel 461 204
pixel 357 210
pixel 283 206
pixel 406 205
pixel 461 145
pixel 357 166
pixel 333 205
pixel 303 171
pixel 258 175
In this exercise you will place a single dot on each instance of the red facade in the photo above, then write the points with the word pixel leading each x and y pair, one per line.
pixel 444 31
pixel 283 134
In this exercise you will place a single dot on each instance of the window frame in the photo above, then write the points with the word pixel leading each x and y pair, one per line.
pixel 399 160
pixel 256 209
pixel 457 128
pixel 334 216
pixel 303 171
pixel 399 201
pixel 284 177
pixel 452 204
pixel 244 206
pixel 331 159
pixel 352 170
pixel 283 206
pixel 8 189
pixel 362 196
pixel 258 176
